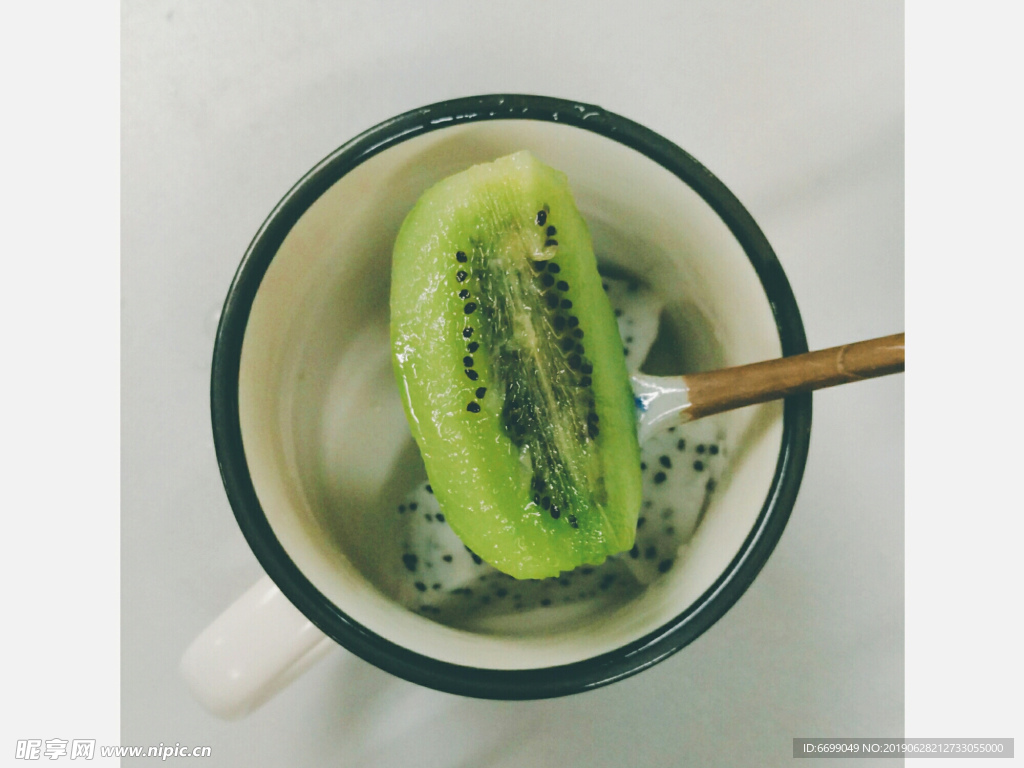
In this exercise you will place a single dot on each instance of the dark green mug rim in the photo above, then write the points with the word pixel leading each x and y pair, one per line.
pixel 441 675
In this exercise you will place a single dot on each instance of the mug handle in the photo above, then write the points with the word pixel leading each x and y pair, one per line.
pixel 253 650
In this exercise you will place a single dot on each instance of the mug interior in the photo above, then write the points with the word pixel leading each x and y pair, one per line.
pixel 322 426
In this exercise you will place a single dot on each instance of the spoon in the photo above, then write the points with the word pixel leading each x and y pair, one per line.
pixel 663 399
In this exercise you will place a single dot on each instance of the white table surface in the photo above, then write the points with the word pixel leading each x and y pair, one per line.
pixel 796 106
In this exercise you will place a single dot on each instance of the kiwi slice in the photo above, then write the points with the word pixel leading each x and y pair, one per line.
pixel 512 372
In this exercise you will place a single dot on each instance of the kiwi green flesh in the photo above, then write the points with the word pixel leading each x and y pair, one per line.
pixel 512 373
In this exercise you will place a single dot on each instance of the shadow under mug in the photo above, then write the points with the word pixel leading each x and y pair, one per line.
pixel 312 442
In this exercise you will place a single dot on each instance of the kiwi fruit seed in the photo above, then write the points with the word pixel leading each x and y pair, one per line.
pixel 511 369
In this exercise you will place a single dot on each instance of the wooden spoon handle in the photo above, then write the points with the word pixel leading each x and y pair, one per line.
pixel 723 390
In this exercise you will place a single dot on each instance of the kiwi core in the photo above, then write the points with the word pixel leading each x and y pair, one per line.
pixel 540 366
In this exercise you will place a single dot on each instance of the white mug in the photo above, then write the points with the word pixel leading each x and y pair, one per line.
pixel 315 452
